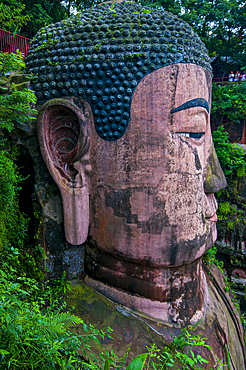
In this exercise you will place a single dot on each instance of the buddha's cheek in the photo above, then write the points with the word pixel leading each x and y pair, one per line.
pixel 181 189
pixel 185 204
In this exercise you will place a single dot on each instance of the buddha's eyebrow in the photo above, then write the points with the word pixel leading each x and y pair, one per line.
pixel 199 102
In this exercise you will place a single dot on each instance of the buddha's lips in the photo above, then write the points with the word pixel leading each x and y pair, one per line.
pixel 213 218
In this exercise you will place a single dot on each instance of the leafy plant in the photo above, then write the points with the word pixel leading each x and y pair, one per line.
pixel 11 15
pixel 34 338
pixel 134 55
pixel 15 99
pixel 231 209
pixel 231 156
pixel 229 101
pixel 178 355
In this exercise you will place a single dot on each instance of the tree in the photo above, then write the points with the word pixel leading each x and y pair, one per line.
pixel 231 207
pixel 220 24
pixel 43 12
pixel 15 97
pixel 12 15
pixel 27 17
pixel 14 108
pixel 229 102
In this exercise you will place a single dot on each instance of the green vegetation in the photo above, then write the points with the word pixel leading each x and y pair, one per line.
pixel 34 335
pixel 34 331
pixel 178 355
pixel 231 156
pixel 231 210
pixel 14 97
pixel 14 109
pixel 229 102
pixel 134 55
pixel 219 23
pixel 12 15
pixel 229 105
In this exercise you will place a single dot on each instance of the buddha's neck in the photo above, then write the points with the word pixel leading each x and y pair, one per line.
pixel 173 295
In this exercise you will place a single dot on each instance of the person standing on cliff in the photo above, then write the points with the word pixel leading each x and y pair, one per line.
pixel 231 76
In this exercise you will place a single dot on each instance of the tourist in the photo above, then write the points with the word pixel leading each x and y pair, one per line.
pixel 231 76
pixel 237 76
pixel 243 76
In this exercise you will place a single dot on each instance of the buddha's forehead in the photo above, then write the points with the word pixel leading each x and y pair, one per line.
pixel 175 97
pixel 192 82
pixel 180 82
pixel 102 54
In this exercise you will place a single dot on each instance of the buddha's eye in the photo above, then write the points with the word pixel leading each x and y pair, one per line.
pixel 192 134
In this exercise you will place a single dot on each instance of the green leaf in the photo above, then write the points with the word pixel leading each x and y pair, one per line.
pixel 106 366
pixel 241 171
pixel 202 360
pixel 3 352
pixel 138 362
pixel 85 327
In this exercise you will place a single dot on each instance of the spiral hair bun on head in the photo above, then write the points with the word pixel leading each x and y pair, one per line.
pixel 102 53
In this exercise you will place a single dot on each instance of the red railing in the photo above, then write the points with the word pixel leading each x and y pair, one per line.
pixel 9 42
pixel 226 80
pixel 220 79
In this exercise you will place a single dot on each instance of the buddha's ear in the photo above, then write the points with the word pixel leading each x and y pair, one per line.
pixel 64 142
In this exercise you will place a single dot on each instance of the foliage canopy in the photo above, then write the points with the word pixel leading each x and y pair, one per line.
pixel 231 208
pixel 229 102
pixel 220 23
pixel 12 15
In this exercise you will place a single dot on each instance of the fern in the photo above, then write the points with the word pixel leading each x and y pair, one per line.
pixel 56 324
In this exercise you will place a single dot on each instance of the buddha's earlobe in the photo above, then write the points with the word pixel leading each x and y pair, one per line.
pixel 64 143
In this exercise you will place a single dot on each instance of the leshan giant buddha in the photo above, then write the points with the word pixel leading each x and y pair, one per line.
pixel 124 96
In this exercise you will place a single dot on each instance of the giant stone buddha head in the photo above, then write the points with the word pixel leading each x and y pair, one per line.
pixel 124 94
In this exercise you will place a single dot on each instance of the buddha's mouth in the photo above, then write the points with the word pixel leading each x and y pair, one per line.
pixel 213 218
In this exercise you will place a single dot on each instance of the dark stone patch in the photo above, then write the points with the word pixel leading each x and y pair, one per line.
pixel 154 225
pixel 62 256
pixel 190 245
pixel 119 201
pixel 139 278
pixel 197 160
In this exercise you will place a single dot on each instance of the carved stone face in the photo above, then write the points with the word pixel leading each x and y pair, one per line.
pixel 147 201
pixel 150 203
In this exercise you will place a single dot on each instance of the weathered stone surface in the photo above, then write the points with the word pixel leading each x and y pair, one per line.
pixel 220 324
pixel 60 255
pixel 151 181
pixel 146 189
pixel 63 138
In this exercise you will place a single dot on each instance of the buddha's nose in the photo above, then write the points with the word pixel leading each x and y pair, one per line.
pixel 215 179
